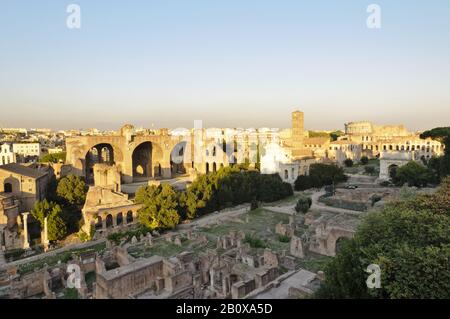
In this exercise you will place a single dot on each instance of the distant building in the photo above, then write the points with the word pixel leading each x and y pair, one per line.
pixel 26 184
pixel 26 151
pixel 7 155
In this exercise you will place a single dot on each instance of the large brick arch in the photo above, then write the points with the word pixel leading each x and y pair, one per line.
pixel 123 148
pixel 334 235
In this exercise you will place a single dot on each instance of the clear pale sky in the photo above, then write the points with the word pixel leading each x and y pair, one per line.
pixel 230 63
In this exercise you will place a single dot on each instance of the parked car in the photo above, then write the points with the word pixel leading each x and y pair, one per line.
pixel 352 186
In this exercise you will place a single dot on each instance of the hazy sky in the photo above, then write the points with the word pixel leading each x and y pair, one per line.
pixel 230 63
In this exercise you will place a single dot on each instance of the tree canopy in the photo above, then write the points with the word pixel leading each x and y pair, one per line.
pixel 410 242
pixel 159 208
pixel 303 204
pixel 55 223
pixel 72 189
pixel 413 174
pixel 54 158
pixel 228 187
pixel 438 133
pixel 319 176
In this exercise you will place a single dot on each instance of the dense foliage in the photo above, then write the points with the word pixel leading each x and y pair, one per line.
pixel 437 133
pixel 441 165
pixel 159 208
pixel 163 207
pixel 413 174
pixel 55 223
pixel 348 162
pixel 369 170
pixel 364 160
pixel 72 189
pixel 409 240
pixel 303 204
pixel 319 176
pixel 228 187
pixel 54 158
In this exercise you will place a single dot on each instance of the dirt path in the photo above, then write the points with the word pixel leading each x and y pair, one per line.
pixel 290 209
pixel 215 217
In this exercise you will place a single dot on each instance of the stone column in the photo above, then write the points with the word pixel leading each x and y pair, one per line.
pixel 211 277
pixel 26 243
pixel 1 236
pixel 2 256
pixel 2 245
pixel 46 242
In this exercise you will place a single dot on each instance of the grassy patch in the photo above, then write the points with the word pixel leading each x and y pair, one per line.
pixel 313 262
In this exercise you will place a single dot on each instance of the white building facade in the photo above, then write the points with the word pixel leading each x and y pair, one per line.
pixel 27 149
pixel 7 155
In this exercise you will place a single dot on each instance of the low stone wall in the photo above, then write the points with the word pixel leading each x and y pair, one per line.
pixel 345 204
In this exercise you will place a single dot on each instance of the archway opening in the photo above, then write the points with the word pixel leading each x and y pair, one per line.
pixel 129 217
pixel 109 221
pixel 177 159
pixel 99 223
pixel 100 153
pixel 119 219
pixel 142 161
pixel 392 170
pixel 8 188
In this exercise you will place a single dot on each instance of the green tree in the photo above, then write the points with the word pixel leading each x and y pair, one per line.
pixel 369 170
pixel 441 134
pixel 438 133
pixel 334 135
pixel 410 242
pixel 413 174
pixel 72 189
pixel 302 182
pixel 159 208
pixel 303 204
pixel 348 162
pixel 364 160
pixel 326 174
pixel 55 224
pixel 54 158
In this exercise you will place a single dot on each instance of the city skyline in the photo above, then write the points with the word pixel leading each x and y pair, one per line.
pixel 228 64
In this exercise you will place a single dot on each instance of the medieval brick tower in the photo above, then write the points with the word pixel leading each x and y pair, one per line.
pixel 297 133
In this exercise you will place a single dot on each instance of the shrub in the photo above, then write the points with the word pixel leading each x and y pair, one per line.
pixel 303 204
pixel 369 169
pixel 319 176
pixel 284 238
pixel 413 174
pixel 254 204
pixel 254 241
pixel 348 162
pixel 303 182
pixel 364 160
pixel 375 198
pixel 385 183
